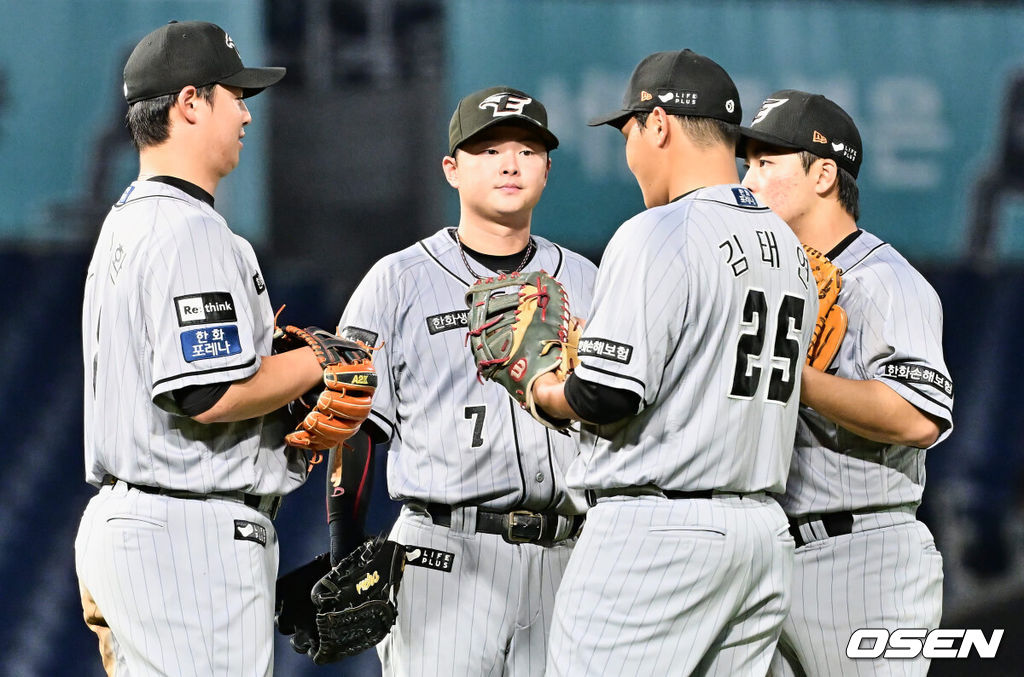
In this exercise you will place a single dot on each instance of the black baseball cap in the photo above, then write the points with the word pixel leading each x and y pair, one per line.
pixel 498 106
pixel 190 53
pixel 790 118
pixel 682 83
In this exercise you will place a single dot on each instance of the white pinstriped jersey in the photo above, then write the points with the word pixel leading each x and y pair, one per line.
pixel 895 336
pixel 704 308
pixel 455 440
pixel 173 298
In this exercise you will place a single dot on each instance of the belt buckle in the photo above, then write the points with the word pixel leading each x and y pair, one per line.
pixel 526 530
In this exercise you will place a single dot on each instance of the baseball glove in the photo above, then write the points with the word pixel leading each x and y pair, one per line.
pixel 519 330
pixel 336 412
pixel 294 613
pixel 830 327
pixel 356 601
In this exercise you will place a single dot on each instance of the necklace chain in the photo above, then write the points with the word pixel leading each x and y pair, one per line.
pixel 522 264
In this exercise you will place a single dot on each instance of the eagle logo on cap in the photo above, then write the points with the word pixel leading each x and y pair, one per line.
pixel 505 104
pixel 767 107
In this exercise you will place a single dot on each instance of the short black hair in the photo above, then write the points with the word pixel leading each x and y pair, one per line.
pixel 849 194
pixel 148 120
pixel 704 132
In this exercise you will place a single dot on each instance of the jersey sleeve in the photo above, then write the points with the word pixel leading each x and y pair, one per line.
pixel 906 354
pixel 196 306
pixel 626 341
pixel 370 317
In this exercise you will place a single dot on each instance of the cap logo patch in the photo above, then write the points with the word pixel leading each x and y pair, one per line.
pixel 819 137
pixel 767 107
pixel 730 106
pixel 228 41
pixel 503 104
pixel 848 152
pixel 681 98
pixel 645 95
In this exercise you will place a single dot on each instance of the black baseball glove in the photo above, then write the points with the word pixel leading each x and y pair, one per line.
pixel 294 613
pixel 356 600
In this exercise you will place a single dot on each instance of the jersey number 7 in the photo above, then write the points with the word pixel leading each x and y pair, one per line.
pixel 747 376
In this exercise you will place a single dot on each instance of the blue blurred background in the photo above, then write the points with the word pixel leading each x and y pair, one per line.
pixel 342 165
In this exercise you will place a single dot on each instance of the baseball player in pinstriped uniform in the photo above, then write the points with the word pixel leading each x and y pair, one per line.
pixel 181 435
pixel 862 559
pixel 703 311
pixel 487 518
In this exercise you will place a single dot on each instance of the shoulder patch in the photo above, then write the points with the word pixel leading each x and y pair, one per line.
pixel 210 342
pixel 453 319
pixel 257 281
pixel 910 373
pixel 744 197
pixel 205 308
pixel 125 195
pixel 356 334
pixel 605 349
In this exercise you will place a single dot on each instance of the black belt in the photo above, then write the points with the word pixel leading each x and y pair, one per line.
pixel 516 526
pixel 833 523
pixel 651 490
pixel 268 505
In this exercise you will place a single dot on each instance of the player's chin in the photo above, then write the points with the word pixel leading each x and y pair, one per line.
pixel 516 203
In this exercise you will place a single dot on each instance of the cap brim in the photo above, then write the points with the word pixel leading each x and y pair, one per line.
pixel 252 81
pixel 616 119
pixel 549 139
pixel 746 134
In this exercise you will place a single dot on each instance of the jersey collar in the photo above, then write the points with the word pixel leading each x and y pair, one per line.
pixel 843 244
pixel 186 187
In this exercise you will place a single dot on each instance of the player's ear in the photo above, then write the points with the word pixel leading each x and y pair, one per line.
pixel 450 167
pixel 828 175
pixel 658 126
pixel 186 101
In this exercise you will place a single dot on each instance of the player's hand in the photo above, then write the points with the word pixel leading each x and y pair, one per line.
pixel 548 393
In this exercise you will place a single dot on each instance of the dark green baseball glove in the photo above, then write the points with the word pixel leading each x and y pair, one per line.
pixel 519 330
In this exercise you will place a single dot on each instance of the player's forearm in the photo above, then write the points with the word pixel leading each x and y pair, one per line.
pixel 279 380
pixel 549 394
pixel 870 409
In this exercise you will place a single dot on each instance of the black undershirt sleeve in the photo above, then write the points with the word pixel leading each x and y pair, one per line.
pixel 349 485
pixel 194 400
pixel 596 403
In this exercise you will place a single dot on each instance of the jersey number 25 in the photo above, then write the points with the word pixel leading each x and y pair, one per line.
pixel 747 376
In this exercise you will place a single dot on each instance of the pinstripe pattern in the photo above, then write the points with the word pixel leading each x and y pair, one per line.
pixel 660 587
pixel 159 589
pixel 895 318
pixel 181 594
pixel 880 578
pixel 666 287
pixel 697 586
pixel 885 574
pixel 488 617
pixel 157 245
pixel 457 441
pixel 428 383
